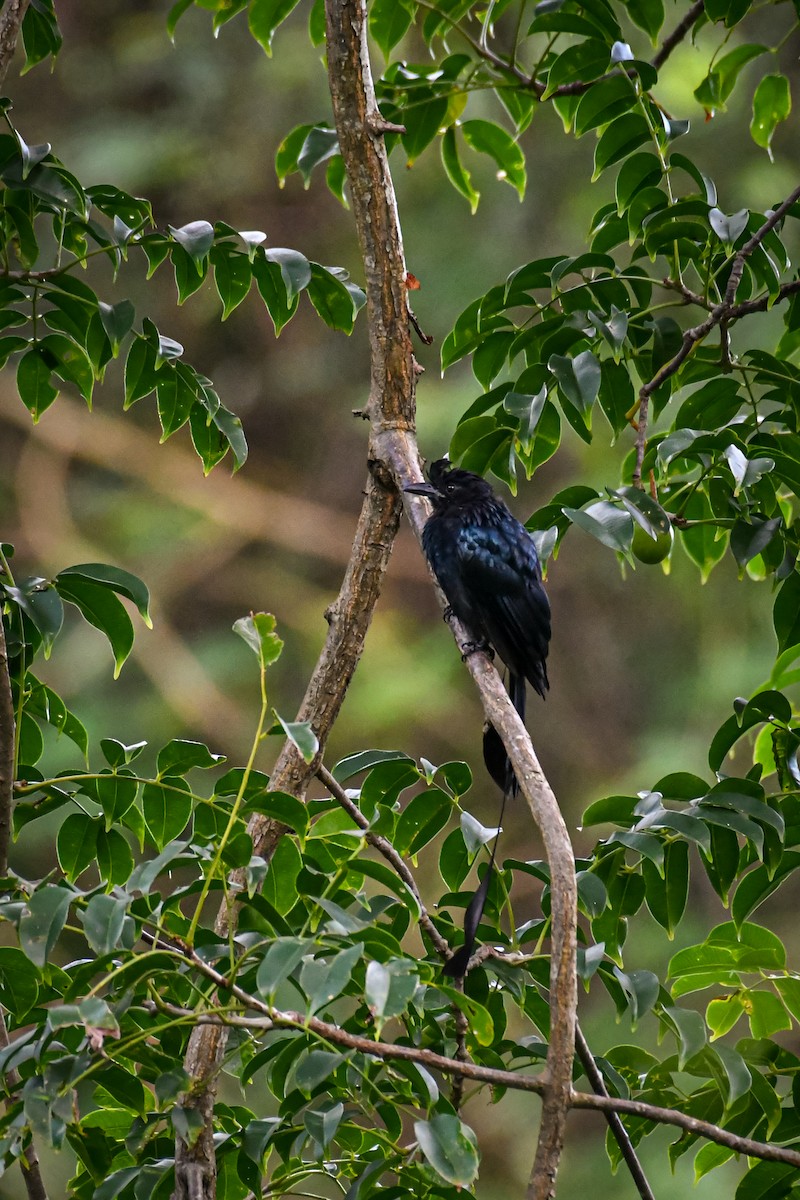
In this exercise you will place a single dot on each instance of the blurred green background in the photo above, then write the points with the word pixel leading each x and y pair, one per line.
pixel 643 667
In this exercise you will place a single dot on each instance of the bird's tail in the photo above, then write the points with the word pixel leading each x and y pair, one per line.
pixel 495 758
pixel 498 764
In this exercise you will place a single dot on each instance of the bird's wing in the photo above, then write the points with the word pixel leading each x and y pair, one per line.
pixel 501 571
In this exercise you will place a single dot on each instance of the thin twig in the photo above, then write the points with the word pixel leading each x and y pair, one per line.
pixel 678 34
pixel 619 1131
pixel 29 1162
pixel 385 847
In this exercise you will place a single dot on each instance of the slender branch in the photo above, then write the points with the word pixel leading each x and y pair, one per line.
pixel 29 1162
pixel 678 34
pixel 271 1018
pixel 735 277
pixel 7 743
pixel 545 811
pixel 10 23
pixel 720 315
pixel 385 847
pixel 614 1123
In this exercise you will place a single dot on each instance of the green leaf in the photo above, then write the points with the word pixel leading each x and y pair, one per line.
pixel 721 80
pixel 104 921
pixel 582 62
pixel 264 17
pixel 117 580
pixel 389 989
pixel 578 379
pixel 450 1147
pixel 667 892
pixel 42 604
pixel 19 982
pixel 605 101
pixel 786 613
pixel 258 630
pixel 332 299
pixel 233 276
pixel 42 921
pixel 388 22
pixel 767 1180
pixel 421 820
pixel 101 608
pixel 618 140
pixel 33 383
pixel 197 238
pixel 180 756
pixel 766 1014
pixel 757 885
pixel 114 857
pixel 76 844
pixel 454 169
pixel 322 981
pixel 283 955
pixel 491 139
pixel 772 103
pixel 690 1030
pixel 314 1068
pixel 604 521
pixel 647 14
pixel 166 810
pixel 117 320
pixel 302 737
pixel 280 885
pixel 321 143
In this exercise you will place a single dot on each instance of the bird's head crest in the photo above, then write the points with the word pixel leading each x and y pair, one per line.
pixel 451 485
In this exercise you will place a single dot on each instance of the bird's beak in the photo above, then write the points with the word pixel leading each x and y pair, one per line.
pixel 422 489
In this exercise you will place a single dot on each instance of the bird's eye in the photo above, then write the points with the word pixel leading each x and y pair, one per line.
pixel 450 487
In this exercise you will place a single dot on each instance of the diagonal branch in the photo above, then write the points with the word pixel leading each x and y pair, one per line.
pixel 719 315
pixel 546 814
pixel 678 34
pixel 385 847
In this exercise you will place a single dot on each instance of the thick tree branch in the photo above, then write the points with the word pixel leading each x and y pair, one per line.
pixel 11 19
pixel 720 315
pixel 390 407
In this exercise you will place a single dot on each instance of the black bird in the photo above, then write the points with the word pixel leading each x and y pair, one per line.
pixel 488 568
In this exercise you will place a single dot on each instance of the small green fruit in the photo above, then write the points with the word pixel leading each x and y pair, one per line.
pixel 648 549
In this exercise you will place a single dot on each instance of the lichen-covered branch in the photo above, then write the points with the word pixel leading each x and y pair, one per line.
pixel 11 18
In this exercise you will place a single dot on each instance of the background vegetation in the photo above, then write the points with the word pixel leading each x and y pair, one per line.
pixel 644 666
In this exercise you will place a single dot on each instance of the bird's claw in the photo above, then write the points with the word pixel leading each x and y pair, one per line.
pixel 448 614
pixel 470 648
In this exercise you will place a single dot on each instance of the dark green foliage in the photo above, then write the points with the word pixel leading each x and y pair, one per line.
pixel 116 955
